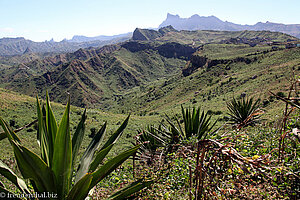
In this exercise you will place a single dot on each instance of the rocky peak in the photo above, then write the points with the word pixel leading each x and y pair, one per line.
pixel 145 34
pixel 167 29
pixel 170 16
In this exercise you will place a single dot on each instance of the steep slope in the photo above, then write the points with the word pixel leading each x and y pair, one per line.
pixel 197 22
pixel 155 75
pixel 93 76
pixel 211 85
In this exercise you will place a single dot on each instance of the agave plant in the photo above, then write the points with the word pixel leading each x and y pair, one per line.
pixel 150 139
pixel 52 171
pixel 153 140
pixel 195 123
pixel 244 112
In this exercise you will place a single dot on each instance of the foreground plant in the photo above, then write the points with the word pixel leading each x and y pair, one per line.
pixel 52 171
pixel 244 112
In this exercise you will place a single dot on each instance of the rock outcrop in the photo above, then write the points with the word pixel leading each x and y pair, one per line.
pixel 149 34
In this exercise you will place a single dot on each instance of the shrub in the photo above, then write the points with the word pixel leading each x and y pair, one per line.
pixel 243 112
pixel 52 171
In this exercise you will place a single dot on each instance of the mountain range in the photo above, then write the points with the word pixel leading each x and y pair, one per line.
pixel 81 38
pixel 197 22
pixel 146 69
pixel 19 46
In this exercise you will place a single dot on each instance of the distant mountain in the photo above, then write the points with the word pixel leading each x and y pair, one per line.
pixel 20 45
pixel 80 38
pixel 200 37
pixel 197 22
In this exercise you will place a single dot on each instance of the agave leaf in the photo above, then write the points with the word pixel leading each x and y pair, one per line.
pixel 81 189
pixel 62 155
pixel 111 165
pixel 51 129
pixel 30 165
pixel 99 157
pixel 78 137
pixel 174 129
pixel 41 134
pixel 10 175
pixel 154 137
pixel 117 134
pixel 50 119
pixel 87 157
pixel 129 190
pixel 8 132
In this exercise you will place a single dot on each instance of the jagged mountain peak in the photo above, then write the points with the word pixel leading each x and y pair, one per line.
pixel 172 16
pixel 196 22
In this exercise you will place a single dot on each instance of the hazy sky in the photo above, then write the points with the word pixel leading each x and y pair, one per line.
pixel 41 20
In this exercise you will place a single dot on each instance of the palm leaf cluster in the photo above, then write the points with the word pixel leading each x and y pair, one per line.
pixel 167 136
pixel 244 112
pixel 196 123
pixel 53 170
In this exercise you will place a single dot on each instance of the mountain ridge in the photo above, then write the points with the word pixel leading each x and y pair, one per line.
pixel 82 38
pixel 19 45
pixel 196 22
pixel 102 77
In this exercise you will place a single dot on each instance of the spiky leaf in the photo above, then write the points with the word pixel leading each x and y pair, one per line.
pixel 10 175
pixel 81 189
pixel 62 155
pixel 111 165
pixel 129 190
pixel 87 157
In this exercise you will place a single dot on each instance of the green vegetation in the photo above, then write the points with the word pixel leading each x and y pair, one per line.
pixel 243 112
pixel 52 172
pixel 162 82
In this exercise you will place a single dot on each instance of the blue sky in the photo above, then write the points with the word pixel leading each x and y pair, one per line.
pixel 41 20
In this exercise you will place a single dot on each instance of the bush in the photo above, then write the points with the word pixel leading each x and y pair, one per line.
pixel 52 171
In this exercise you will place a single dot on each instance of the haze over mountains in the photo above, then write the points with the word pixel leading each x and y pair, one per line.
pixel 138 72
pixel 81 38
pixel 20 45
pixel 197 22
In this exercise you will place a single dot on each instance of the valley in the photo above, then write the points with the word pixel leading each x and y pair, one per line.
pixel 157 71
pixel 153 77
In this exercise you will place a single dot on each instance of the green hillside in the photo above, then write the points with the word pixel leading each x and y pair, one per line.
pixel 156 74
pixel 155 77
pixel 91 77
pixel 19 110
pixel 212 86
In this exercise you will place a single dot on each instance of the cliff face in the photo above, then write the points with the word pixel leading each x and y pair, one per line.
pixel 195 63
pixel 145 34
pixel 198 61
pixel 168 50
pixel 148 34
pixel 175 50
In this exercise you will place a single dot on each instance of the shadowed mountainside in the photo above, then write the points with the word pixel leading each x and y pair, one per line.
pixel 157 71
